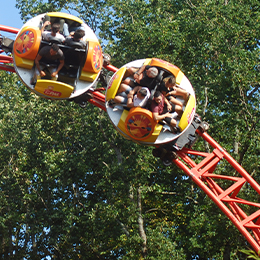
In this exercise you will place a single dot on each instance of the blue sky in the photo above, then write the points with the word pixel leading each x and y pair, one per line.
pixel 9 15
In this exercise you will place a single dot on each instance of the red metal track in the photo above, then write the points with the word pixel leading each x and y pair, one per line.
pixel 9 29
pixel 4 59
pixel 225 198
pixel 111 68
pixel 201 173
pixel 98 99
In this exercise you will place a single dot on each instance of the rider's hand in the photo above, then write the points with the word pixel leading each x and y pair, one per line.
pixel 54 74
pixel 43 74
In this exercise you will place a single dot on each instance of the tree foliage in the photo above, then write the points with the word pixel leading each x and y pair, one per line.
pixel 72 188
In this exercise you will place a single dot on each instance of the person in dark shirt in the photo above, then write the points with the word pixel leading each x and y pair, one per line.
pixel 50 55
pixel 170 90
pixel 76 39
pixel 143 77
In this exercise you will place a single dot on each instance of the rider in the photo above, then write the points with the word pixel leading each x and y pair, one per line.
pixel 142 77
pixel 138 96
pixel 49 54
pixel 76 37
pixel 54 34
pixel 162 109
pixel 170 90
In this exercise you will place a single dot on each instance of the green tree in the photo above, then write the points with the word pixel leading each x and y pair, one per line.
pixel 73 188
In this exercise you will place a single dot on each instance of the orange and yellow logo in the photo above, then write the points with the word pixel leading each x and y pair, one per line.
pixel 24 42
pixel 139 126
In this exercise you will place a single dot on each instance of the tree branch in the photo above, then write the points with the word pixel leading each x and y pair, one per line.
pixel 175 193
pixel 141 222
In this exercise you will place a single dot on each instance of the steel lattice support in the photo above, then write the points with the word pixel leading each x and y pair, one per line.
pixel 227 199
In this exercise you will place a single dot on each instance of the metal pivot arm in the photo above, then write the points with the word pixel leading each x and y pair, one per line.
pixel 8 29
pixel 95 96
pixel 6 46
pixel 97 99
pixel 227 199
pixel 3 63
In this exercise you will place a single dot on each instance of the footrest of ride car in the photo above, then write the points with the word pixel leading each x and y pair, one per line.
pixel 53 89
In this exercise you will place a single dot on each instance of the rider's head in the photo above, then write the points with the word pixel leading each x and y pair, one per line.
pixel 78 34
pixel 54 49
pixel 142 93
pixel 152 72
pixel 158 97
pixel 55 27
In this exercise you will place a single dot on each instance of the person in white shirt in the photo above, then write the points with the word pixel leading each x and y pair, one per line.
pixel 138 97
pixel 135 97
pixel 53 34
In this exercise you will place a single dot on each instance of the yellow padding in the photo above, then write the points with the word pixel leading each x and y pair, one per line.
pixel 147 61
pixel 94 60
pixel 179 77
pixel 140 124
pixel 136 135
pixel 121 123
pixel 53 89
pixel 27 43
pixel 23 63
pixel 155 134
pixel 115 83
pixel 188 113
pixel 88 76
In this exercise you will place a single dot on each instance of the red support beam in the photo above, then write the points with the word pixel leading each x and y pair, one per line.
pixel 231 160
pixel 7 68
pixel 98 99
pixel 202 173
pixel 9 29
pixel 6 59
pixel 111 68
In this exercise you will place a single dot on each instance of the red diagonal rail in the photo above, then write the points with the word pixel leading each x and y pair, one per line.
pixel 228 199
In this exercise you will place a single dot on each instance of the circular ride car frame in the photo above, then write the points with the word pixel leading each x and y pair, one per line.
pixel 81 68
pixel 137 124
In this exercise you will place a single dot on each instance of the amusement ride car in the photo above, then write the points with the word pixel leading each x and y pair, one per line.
pixel 137 123
pixel 81 68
